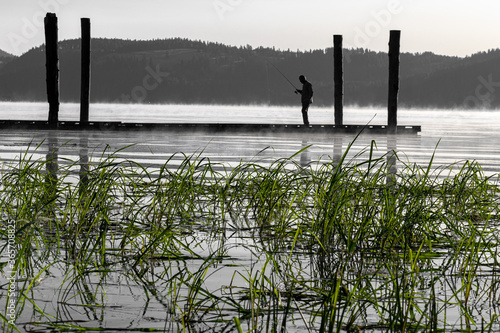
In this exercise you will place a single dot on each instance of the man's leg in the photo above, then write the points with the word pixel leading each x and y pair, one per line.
pixel 305 108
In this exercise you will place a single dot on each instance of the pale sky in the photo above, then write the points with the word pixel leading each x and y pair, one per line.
pixel 451 27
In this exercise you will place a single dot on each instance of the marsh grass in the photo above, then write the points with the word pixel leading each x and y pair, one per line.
pixel 342 246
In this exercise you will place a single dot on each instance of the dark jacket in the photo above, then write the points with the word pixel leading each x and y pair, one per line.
pixel 306 92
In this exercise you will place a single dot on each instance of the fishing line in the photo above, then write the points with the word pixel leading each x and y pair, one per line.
pixel 283 75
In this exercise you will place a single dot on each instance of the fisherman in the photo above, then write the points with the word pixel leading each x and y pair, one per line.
pixel 306 97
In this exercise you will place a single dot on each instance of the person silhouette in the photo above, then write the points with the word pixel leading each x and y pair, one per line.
pixel 306 97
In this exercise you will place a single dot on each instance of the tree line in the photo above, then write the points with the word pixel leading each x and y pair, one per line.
pixel 187 71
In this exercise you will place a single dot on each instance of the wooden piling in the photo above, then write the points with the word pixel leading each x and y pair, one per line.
pixel 85 84
pixel 338 80
pixel 394 43
pixel 52 67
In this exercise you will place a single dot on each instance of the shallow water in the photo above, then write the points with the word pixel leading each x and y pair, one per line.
pixel 447 137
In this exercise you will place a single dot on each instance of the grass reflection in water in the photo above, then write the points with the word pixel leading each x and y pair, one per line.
pixel 348 245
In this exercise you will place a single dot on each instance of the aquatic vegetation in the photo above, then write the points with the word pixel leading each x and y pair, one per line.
pixel 338 246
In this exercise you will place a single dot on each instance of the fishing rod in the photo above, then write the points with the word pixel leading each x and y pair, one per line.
pixel 284 76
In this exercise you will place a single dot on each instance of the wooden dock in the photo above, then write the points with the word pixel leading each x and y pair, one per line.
pixel 201 127
pixel 53 94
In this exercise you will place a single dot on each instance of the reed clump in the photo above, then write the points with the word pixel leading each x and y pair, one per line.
pixel 335 246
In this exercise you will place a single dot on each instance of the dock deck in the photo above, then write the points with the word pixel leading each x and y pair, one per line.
pixel 206 127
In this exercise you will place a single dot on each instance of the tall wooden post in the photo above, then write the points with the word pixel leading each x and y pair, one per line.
pixel 392 104
pixel 338 80
pixel 85 85
pixel 52 67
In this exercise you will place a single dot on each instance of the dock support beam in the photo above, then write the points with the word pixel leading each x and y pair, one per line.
pixel 392 104
pixel 52 67
pixel 85 85
pixel 338 80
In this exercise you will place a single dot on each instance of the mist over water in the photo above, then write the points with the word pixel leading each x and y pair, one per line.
pixel 451 135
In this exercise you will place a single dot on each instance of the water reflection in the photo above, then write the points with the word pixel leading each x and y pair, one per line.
pixel 353 267
pixel 51 166
pixel 83 154
pixel 392 168
pixel 338 141
pixel 305 158
pixel 51 158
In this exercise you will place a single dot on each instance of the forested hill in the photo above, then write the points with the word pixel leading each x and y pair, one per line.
pixel 186 71
pixel 5 58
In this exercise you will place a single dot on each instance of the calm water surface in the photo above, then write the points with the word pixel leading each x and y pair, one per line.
pixel 451 136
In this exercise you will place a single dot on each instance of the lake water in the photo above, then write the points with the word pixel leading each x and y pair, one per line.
pixel 451 136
